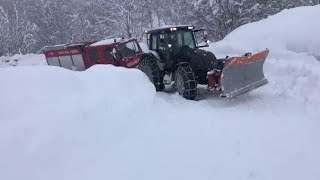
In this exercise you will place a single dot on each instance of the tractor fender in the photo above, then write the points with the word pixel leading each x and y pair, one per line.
pixel 183 63
pixel 155 54
pixel 150 54
pixel 144 55
pixel 145 50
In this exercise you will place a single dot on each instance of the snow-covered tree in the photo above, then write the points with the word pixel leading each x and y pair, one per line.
pixel 28 25
pixel 18 32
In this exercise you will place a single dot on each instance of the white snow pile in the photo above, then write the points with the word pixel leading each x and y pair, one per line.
pixel 293 38
pixel 22 60
pixel 294 30
pixel 109 123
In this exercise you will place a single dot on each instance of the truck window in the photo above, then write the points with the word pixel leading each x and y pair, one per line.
pixel 128 50
pixel 94 55
pixel 110 56
pixel 136 46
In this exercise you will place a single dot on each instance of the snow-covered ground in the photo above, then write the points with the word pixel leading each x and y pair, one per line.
pixel 22 60
pixel 109 123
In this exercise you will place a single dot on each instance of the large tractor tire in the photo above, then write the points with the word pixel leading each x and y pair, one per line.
pixel 150 67
pixel 185 82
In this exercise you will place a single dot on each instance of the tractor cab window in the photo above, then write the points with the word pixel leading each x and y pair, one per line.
pixel 183 38
pixel 129 49
pixel 188 39
pixel 154 42
pixel 180 40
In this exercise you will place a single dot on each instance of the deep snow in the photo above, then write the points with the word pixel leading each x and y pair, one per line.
pixel 22 60
pixel 109 123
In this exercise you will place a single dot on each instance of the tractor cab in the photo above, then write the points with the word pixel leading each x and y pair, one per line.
pixel 169 42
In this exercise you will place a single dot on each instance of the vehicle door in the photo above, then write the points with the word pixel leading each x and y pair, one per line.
pixel 163 48
pixel 130 53
pixel 110 56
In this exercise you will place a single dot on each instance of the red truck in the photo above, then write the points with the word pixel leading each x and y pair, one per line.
pixel 81 56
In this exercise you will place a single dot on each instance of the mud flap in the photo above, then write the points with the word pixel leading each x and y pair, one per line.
pixel 243 74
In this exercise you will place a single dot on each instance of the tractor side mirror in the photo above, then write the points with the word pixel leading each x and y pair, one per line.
pixel 202 37
pixel 205 33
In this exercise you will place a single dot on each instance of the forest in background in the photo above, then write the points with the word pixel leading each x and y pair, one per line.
pixel 28 25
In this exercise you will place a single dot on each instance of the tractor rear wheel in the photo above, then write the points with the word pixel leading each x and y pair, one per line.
pixel 150 67
pixel 185 82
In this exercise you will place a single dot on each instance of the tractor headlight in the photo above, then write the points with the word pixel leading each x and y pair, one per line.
pixel 190 27
pixel 173 29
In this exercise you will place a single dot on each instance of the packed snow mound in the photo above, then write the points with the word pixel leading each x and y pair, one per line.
pixel 294 42
pixel 36 87
pixel 109 123
pixel 296 30
pixel 23 60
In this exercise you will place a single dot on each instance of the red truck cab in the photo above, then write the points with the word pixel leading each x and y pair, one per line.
pixel 81 56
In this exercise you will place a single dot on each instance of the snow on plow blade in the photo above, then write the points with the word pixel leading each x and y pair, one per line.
pixel 243 74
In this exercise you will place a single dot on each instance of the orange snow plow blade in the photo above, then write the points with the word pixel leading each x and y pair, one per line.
pixel 243 74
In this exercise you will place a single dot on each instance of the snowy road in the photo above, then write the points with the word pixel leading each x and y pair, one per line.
pixel 69 129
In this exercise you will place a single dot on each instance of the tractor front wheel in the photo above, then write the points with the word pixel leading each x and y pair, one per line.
pixel 185 82
pixel 150 67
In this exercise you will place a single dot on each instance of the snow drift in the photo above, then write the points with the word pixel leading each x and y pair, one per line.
pixel 294 42
pixel 294 30
pixel 22 60
pixel 109 123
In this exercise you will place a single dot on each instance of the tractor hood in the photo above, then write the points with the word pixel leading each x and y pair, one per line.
pixel 199 59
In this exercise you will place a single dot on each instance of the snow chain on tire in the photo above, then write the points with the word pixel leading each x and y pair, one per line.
pixel 149 66
pixel 185 82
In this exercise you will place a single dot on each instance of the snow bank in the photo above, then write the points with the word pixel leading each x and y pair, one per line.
pixel 295 30
pixel 294 42
pixel 108 123
pixel 23 60
pixel 36 87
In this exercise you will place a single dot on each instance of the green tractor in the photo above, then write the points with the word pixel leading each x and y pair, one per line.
pixel 174 57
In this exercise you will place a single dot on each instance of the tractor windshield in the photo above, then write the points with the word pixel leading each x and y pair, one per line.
pixel 183 38
pixel 129 49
